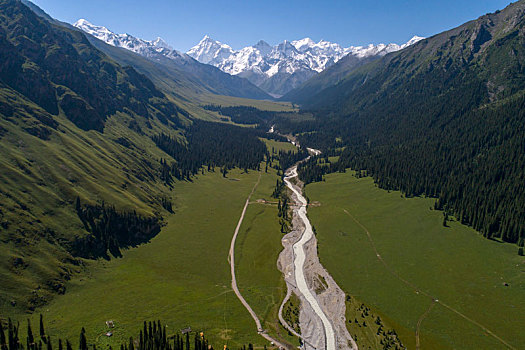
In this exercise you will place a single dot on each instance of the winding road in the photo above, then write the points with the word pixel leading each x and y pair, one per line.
pixel 231 260
pixel 299 259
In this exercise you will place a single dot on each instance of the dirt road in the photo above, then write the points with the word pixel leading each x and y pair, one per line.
pixel 231 260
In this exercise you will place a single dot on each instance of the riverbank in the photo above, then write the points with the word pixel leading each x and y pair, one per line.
pixel 322 312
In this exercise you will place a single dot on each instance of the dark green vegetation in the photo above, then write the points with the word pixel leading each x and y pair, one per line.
pixel 261 119
pixel 368 330
pixel 443 118
pixel 393 254
pixel 245 114
pixel 153 336
pixel 97 157
pixel 213 145
pixel 111 230
pixel 291 312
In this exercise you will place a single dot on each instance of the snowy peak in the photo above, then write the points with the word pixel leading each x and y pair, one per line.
pixel 97 31
pixel 412 41
pixel 287 48
pixel 302 59
pixel 303 44
pixel 160 43
pixel 127 41
pixel 263 47
pixel 209 50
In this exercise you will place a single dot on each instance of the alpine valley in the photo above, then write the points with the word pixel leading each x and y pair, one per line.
pixel 303 195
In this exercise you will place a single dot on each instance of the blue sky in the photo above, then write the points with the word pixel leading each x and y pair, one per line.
pixel 244 22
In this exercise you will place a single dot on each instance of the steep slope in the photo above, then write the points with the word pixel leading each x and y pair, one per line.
pixel 205 78
pixel 81 174
pixel 442 118
pixel 285 66
pixel 329 77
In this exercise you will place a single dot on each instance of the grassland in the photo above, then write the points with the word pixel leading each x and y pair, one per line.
pixel 257 250
pixel 239 101
pixel 419 256
pixel 279 146
pixel 39 181
pixel 258 247
pixel 368 330
pixel 182 276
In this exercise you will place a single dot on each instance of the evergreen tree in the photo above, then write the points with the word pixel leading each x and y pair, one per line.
pixel 83 340
pixel 42 331
pixel 30 338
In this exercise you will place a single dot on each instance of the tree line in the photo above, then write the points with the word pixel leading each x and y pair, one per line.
pixel 110 229
pixel 210 145
pixel 153 336
pixel 472 161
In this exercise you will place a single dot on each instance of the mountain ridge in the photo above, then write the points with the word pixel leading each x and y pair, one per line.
pixel 281 68
pixel 210 79
pixel 443 118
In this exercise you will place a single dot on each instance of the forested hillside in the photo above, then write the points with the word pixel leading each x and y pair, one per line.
pixel 81 177
pixel 442 118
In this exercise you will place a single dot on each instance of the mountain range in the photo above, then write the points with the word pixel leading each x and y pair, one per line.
pixel 192 77
pixel 276 70
pixel 283 67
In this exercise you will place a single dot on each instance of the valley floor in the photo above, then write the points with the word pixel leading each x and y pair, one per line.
pixel 386 251
pixel 395 255
pixel 182 276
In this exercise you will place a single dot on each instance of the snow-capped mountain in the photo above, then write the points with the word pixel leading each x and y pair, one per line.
pixel 143 47
pixel 207 76
pixel 281 68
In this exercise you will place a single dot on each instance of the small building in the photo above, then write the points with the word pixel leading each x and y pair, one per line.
pixel 109 334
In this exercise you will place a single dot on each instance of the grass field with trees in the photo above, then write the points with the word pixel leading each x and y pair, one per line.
pixel 415 258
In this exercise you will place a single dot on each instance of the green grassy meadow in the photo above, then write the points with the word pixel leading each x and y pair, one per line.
pixel 182 276
pixel 257 250
pixel 240 101
pixel 452 264
pixel 279 146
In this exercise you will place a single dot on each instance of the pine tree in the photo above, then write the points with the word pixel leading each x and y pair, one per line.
pixel 83 340
pixel 2 336
pixel 30 338
pixel 77 205
pixel 42 331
